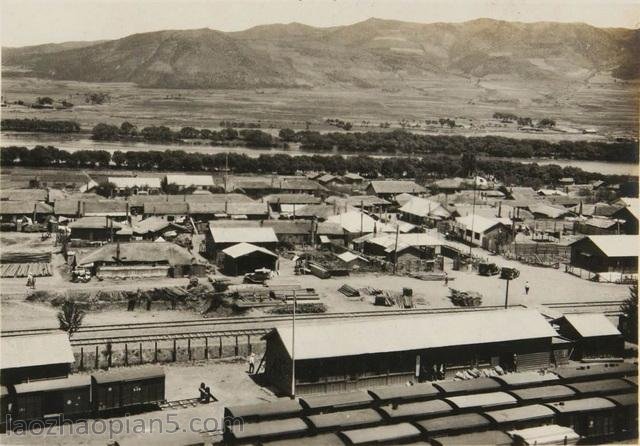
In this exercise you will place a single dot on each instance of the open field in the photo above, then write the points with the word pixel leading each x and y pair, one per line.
pixel 600 103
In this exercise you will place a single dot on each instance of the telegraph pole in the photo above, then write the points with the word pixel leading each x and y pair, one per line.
pixel 293 349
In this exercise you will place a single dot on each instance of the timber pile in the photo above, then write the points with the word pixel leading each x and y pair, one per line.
pixel 25 257
pixel 349 291
pixel 465 298
pixel 24 269
pixel 371 291
pixel 435 277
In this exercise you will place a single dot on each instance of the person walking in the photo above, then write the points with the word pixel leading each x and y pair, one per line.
pixel 446 279
pixel 252 363
pixel 33 282
pixel 29 280
pixel 526 287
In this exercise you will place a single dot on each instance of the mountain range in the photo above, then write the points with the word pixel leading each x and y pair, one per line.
pixel 366 54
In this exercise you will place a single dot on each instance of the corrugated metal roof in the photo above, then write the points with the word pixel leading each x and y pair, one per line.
pixel 239 235
pixel 291 199
pixel 131 182
pixel 549 434
pixel 54 384
pixel 190 180
pixel 166 208
pixel 491 399
pixel 415 333
pixel 394 432
pixel 242 249
pixel 453 422
pixel 521 413
pixel 582 405
pixel 36 350
pixel 591 324
pixel 495 438
pixel 397 187
pixel 345 419
pixel 615 245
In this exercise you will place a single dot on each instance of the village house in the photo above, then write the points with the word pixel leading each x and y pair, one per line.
pixel 628 218
pixel 356 224
pixel 155 227
pixel 219 238
pixel 99 229
pixel 286 204
pixel 191 181
pixel 593 336
pixel 352 178
pixel 606 253
pixel 25 195
pixel 245 258
pixel 482 231
pixel 135 185
pixel 170 210
pixel 423 211
pixel 14 212
pixel 388 189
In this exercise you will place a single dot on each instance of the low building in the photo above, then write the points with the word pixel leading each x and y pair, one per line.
pixel 24 195
pixel 385 244
pixel 286 204
pixel 14 211
pixel 366 353
pixel 628 218
pixel 99 229
pixel 422 211
pixel 606 253
pixel 352 261
pixel 352 178
pixel 594 336
pixel 356 224
pixel 544 211
pixel 482 231
pixel 154 227
pixel 219 238
pixel 598 226
pixel 142 259
pixel 390 188
pixel 172 210
pixel 191 181
pixel 135 185
pixel 292 232
pixel 33 357
pixel 245 258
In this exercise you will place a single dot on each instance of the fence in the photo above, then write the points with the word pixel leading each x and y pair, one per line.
pixel 537 253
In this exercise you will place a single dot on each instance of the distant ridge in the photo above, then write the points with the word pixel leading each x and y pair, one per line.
pixel 363 55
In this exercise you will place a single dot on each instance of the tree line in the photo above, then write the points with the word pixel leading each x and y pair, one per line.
pixel 39 125
pixel 421 168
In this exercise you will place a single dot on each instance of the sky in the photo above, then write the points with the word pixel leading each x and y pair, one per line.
pixel 32 22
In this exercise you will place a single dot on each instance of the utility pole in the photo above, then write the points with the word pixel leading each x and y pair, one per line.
pixel 506 296
pixel 293 349
pixel 395 251
pixel 473 214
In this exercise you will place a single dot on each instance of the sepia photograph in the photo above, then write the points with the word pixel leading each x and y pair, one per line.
pixel 319 222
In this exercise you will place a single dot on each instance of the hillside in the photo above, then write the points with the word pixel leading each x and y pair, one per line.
pixel 363 55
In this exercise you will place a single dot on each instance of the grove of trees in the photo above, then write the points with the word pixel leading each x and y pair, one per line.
pixel 39 125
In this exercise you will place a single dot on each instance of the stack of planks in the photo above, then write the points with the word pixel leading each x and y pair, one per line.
pixel 349 291
pixel 24 269
pixel 25 257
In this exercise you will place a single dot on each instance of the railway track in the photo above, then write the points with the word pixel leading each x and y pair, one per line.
pixel 254 326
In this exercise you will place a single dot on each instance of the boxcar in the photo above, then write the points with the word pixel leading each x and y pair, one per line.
pixel 416 411
pixel 603 386
pixel 497 438
pixel 128 388
pixel 592 418
pixel 335 401
pixel 482 401
pixel 392 434
pixel 468 386
pixel 590 372
pixel 521 417
pixel 69 397
pixel 282 408
pixel 348 419
pixel 404 394
pixel 453 424
pixel 626 414
pixel 544 393
pixel 264 430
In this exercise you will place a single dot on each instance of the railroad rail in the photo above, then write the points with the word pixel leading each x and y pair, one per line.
pixel 214 327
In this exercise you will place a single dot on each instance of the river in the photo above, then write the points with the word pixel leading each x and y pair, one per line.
pixel 74 142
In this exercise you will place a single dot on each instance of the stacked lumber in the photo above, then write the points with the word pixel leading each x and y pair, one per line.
pixel 465 298
pixel 24 269
pixel 318 270
pixel 25 257
pixel 428 276
pixel 349 291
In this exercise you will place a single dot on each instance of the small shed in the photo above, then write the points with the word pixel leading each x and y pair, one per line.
pixel 26 358
pixel 593 334
pixel 245 258
pixel 603 253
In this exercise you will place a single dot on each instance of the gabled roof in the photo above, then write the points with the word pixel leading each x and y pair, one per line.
pixel 326 178
pixel 348 256
pixel 423 207
pixel 239 235
pixel 142 252
pixel 548 211
pixel 24 195
pixel 353 176
pixel 155 224
pixel 243 249
pixel 24 208
pixel 104 208
pixel 356 221
pixel 357 201
pixel 396 187
pixel 591 324
pixel 291 199
pixel 415 239
pixel 599 222
pixel 290 227
pixel 131 182
pixel 166 208
pixel 35 350
pixel 481 224
pixel 190 180
pixel 95 223
pixel 415 333
pixel 614 245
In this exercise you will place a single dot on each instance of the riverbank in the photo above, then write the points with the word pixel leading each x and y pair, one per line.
pixel 75 142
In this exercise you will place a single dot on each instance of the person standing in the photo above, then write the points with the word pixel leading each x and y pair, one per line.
pixel 526 287
pixel 446 279
pixel 252 363
pixel 203 392
pixel 33 282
